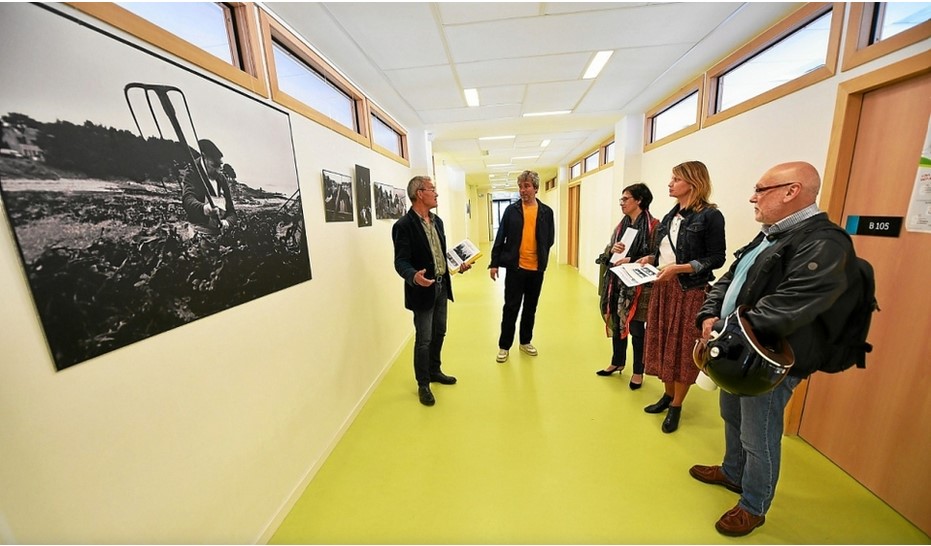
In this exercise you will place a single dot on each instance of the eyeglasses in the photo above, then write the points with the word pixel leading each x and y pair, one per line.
pixel 758 191
pixel 427 189
pixel 623 200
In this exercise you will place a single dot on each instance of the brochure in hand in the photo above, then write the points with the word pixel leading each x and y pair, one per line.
pixel 633 274
pixel 465 252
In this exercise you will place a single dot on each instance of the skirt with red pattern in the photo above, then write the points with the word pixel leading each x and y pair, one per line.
pixel 671 332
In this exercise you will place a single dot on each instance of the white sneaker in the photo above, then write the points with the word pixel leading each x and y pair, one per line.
pixel 502 355
pixel 529 349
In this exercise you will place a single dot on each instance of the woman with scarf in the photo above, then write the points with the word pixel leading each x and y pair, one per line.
pixel 624 308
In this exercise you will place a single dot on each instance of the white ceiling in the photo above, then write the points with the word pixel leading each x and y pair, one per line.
pixel 415 58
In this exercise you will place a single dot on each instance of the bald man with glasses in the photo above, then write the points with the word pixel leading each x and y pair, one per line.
pixel 793 276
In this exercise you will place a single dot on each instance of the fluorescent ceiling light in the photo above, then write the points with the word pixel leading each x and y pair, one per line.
pixel 598 62
pixel 545 143
pixel 495 137
pixel 553 113
pixel 471 96
pixel 525 157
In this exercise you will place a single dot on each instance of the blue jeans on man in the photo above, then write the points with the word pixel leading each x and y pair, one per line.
pixel 753 443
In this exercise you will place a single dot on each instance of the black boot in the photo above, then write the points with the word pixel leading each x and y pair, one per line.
pixel 671 422
pixel 660 406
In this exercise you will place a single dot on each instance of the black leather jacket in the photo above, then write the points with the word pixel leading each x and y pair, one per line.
pixel 700 242
pixel 792 288
pixel 505 252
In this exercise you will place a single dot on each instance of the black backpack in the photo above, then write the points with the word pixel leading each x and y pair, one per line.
pixel 849 346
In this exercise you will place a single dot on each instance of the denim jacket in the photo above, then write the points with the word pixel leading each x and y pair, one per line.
pixel 700 243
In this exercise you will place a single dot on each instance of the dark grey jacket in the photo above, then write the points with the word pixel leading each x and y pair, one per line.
pixel 411 254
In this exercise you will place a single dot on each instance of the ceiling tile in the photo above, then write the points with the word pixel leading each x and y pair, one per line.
pixel 545 68
pixel 392 46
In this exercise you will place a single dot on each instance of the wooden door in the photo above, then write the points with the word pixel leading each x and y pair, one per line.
pixel 573 246
pixel 876 423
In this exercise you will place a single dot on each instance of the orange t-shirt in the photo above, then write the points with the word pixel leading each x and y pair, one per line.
pixel 528 241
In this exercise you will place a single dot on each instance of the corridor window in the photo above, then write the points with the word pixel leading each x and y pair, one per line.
pixel 879 28
pixel 575 170
pixel 592 161
pixel 208 25
pixel 675 116
pixel 797 52
pixel 304 83
pixel 892 18
pixel 608 152
pixel 219 37
pixel 792 57
pixel 388 138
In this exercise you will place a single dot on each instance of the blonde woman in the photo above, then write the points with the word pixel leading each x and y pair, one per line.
pixel 691 247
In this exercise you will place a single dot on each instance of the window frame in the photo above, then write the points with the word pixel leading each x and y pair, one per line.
pixel 251 76
pixel 695 86
pixel 858 50
pixel 572 166
pixel 774 34
pixel 377 112
pixel 604 152
pixel 275 32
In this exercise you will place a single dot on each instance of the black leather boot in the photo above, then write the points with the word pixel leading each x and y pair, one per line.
pixel 660 406
pixel 671 422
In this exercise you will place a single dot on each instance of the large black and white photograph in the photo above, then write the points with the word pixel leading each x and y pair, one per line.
pixel 337 197
pixel 390 202
pixel 364 196
pixel 142 196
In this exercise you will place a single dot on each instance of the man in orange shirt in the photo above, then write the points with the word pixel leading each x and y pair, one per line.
pixel 522 246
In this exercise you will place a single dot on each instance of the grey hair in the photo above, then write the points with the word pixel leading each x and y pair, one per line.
pixel 415 184
pixel 532 176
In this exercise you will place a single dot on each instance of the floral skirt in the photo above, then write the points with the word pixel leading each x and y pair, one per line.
pixel 671 332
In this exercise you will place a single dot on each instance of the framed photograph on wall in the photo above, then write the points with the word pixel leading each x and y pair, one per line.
pixel 390 202
pixel 363 196
pixel 337 197
pixel 142 195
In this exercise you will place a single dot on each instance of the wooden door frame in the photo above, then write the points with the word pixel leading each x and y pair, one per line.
pixel 573 199
pixel 839 162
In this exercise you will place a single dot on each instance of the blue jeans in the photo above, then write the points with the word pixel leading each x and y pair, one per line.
pixel 429 332
pixel 753 443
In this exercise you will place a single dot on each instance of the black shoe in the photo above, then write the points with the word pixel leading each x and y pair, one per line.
pixel 442 378
pixel 426 397
pixel 671 422
pixel 660 406
pixel 634 386
pixel 610 370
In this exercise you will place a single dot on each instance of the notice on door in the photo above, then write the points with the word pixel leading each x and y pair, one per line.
pixel 919 206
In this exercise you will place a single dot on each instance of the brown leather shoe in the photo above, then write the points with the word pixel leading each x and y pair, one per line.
pixel 737 522
pixel 713 475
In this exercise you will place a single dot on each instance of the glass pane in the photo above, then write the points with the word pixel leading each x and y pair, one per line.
pixel 609 153
pixel 591 162
pixel 200 23
pixel 386 136
pixel 575 170
pixel 794 56
pixel 675 118
pixel 901 16
pixel 310 87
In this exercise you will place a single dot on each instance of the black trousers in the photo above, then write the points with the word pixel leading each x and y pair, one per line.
pixel 637 334
pixel 520 286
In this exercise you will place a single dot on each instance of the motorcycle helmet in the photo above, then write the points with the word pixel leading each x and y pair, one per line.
pixel 740 362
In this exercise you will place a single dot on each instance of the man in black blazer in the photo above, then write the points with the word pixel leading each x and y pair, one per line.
pixel 420 259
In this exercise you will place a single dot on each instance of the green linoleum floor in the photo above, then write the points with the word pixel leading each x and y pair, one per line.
pixel 541 450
